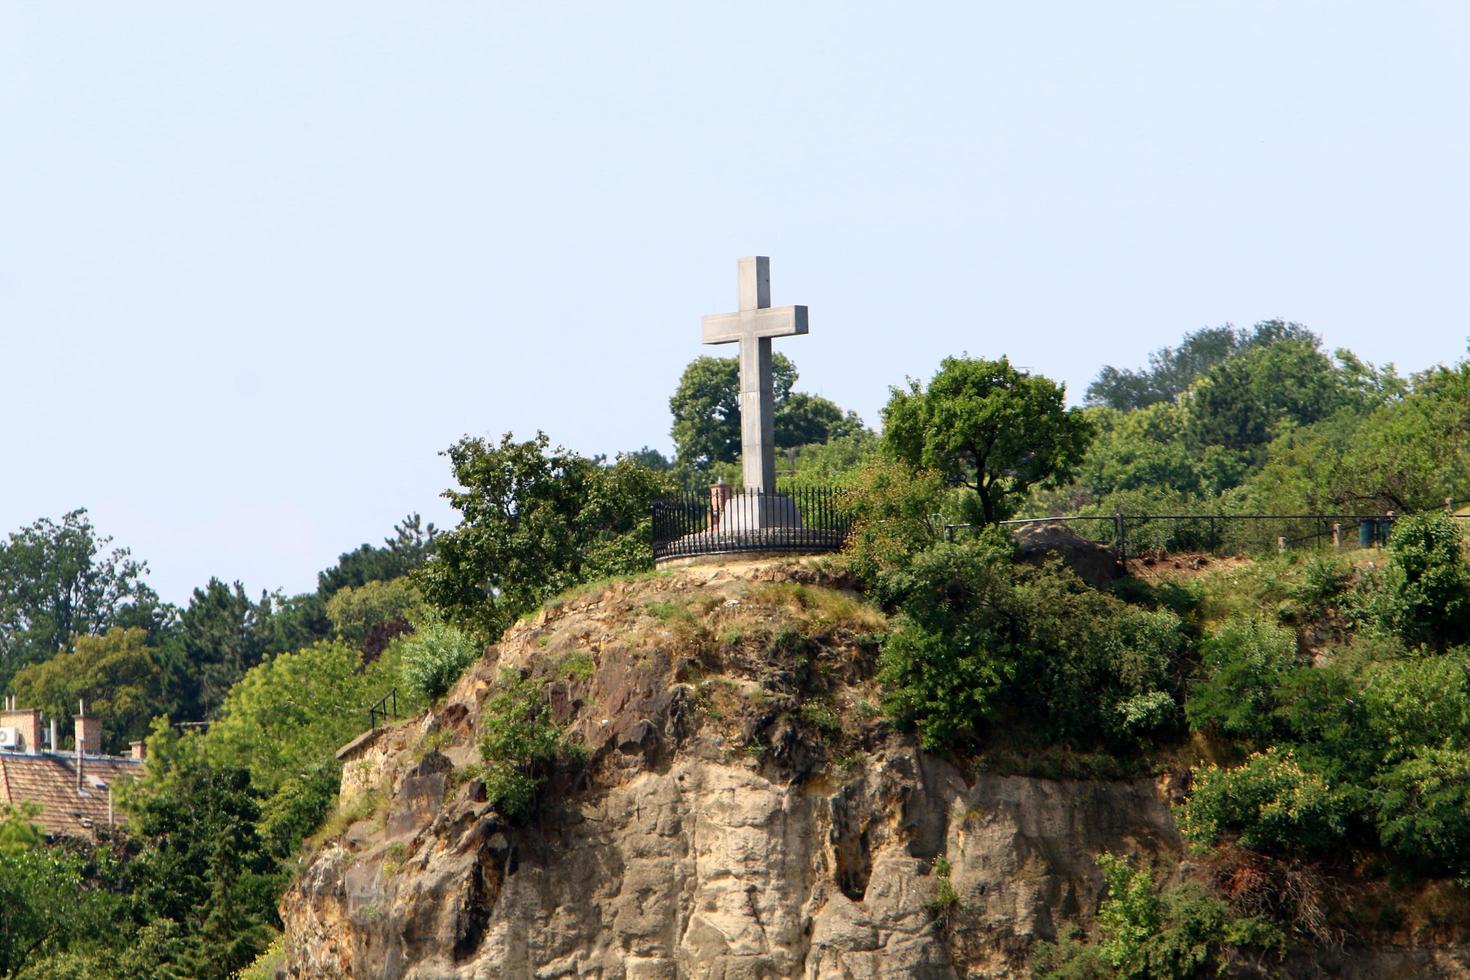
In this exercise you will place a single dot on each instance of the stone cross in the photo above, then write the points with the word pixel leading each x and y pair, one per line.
pixel 752 327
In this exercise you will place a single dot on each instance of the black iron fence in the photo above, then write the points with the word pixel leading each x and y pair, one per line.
pixel 1132 535
pixel 724 521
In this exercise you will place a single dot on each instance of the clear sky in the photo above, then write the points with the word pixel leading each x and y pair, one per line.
pixel 260 262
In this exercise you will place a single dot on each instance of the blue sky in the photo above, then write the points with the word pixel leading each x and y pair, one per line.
pixel 260 262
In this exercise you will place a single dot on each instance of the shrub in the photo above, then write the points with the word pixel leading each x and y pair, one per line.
pixel 434 658
pixel 894 514
pixel 1271 802
pixel 1409 704
pixel 944 666
pixel 1146 934
pixel 521 741
pixel 1423 809
pixel 975 633
pixel 1243 664
pixel 1424 594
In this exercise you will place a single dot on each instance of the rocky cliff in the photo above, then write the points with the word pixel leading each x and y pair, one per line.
pixel 743 812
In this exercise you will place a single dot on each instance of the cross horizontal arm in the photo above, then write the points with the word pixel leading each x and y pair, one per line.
pixel 776 321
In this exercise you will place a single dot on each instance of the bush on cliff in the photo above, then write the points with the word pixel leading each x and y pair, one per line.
pixel 520 743
pixel 976 634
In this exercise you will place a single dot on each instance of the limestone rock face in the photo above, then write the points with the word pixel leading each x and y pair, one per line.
pixel 744 815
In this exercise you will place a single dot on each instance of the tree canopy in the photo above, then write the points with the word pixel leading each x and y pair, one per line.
pixel 984 425
pixel 534 520
pixel 706 410
pixel 59 580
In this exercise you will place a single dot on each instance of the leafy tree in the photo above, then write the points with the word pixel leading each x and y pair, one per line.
pixel 1424 593
pixel 956 647
pixel 47 906
pixel 649 458
pixel 57 581
pixel 203 865
pixel 1148 934
pixel 1244 665
pixel 1171 370
pixel 896 513
pixel 1151 448
pixel 1242 402
pixel 360 613
pixel 803 420
pixel 706 410
pixel 117 674
pixel 287 716
pixel 1422 806
pixel 535 521
pixel 986 426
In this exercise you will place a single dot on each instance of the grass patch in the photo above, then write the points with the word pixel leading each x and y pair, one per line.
pixel 819 715
pixel 393 858
pixel 824 608
pixel 576 666
pixel 364 806
pixel 667 611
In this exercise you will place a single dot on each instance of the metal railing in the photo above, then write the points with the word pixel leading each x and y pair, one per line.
pixel 385 708
pixel 1133 535
pixel 723 521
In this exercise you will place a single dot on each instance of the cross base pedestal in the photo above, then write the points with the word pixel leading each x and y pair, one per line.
pixel 756 511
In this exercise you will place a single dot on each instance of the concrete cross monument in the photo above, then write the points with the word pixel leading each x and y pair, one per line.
pixel 752 327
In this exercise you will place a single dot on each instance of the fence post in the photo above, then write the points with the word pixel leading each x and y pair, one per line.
pixel 1118 536
pixel 1280 545
pixel 1336 535
pixel 1449 506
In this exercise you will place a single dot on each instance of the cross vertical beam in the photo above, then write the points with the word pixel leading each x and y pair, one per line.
pixel 752 327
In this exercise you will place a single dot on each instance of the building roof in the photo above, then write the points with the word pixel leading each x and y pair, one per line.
pixel 49 779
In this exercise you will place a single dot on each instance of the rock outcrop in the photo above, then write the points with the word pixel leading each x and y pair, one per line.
pixel 743 813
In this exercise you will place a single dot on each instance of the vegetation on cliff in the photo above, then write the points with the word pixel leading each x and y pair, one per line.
pixel 1316 709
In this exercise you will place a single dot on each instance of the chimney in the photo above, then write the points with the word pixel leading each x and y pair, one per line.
pixel 137 750
pixel 89 731
pixel 55 737
pixel 28 720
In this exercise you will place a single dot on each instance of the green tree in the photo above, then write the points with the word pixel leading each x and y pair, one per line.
pixel 221 634
pixel 287 716
pixel 986 426
pixel 1423 595
pixel 358 613
pixel 1242 402
pixel 202 865
pixel 706 410
pixel 410 545
pixel 535 520
pixel 1272 802
pixel 1171 370
pixel 117 674
pixel 57 581
pixel 1239 688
